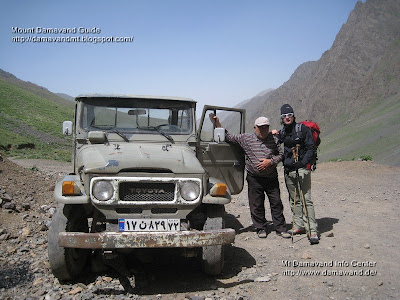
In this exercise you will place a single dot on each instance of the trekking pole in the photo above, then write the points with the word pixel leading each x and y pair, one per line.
pixel 303 200
pixel 295 196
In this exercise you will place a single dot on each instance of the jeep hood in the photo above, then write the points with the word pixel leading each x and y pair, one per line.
pixel 113 158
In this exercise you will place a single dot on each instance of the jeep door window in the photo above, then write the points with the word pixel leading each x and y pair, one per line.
pixel 231 120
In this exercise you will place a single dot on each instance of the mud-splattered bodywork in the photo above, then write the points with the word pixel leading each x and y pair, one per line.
pixel 142 158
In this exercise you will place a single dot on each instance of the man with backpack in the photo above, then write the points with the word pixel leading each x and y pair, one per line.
pixel 298 158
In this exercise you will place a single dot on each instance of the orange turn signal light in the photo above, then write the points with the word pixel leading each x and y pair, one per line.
pixel 218 189
pixel 69 188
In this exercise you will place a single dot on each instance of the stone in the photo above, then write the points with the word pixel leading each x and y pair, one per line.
pixel 26 206
pixel 75 291
pixel 263 279
pixel 26 231
pixel 43 227
pixel 38 281
pixel 9 205
pixel 107 279
pixel 6 197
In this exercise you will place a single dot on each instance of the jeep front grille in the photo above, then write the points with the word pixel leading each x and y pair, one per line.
pixel 163 210
pixel 129 210
pixel 147 191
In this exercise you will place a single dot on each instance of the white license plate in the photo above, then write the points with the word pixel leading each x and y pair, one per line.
pixel 149 224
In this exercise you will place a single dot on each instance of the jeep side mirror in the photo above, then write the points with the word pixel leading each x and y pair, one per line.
pixel 67 128
pixel 219 135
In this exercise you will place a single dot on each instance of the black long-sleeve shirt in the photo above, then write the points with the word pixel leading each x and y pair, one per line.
pixel 290 139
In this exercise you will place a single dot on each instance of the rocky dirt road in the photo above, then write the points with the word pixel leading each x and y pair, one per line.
pixel 358 256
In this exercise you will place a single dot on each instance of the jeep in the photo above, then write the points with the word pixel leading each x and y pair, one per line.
pixel 144 176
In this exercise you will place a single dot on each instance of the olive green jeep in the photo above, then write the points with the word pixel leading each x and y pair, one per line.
pixel 144 176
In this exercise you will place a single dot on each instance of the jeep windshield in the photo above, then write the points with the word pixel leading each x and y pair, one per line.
pixel 130 116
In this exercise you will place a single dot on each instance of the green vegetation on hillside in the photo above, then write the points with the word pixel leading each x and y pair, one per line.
pixel 373 134
pixel 27 117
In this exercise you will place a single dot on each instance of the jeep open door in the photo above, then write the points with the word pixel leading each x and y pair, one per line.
pixel 222 160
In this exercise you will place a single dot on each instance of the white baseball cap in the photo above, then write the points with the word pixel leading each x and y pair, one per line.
pixel 261 121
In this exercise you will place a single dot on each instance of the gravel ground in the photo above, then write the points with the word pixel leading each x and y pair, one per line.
pixel 357 257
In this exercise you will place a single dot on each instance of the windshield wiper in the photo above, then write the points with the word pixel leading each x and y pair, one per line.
pixel 108 129
pixel 157 128
pixel 120 134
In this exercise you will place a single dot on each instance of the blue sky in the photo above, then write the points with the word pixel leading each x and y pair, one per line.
pixel 217 52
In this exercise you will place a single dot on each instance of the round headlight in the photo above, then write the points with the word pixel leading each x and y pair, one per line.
pixel 190 190
pixel 103 190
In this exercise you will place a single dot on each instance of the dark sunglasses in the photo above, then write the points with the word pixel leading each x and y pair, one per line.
pixel 287 115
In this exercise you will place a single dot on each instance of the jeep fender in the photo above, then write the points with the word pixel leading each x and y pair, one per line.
pixel 78 199
pixel 216 199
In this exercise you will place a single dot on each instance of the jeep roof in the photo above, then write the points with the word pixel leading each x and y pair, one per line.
pixel 88 96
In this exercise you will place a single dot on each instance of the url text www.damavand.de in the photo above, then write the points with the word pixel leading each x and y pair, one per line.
pixel 329 272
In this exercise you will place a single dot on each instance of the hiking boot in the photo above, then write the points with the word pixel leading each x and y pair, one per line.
pixel 295 231
pixel 314 239
pixel 261 233
pixel 284 234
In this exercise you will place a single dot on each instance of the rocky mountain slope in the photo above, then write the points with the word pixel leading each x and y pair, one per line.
pixel 352 91
pixel 34 89
pixel 65 96
pixel 355 83
pixel 31 118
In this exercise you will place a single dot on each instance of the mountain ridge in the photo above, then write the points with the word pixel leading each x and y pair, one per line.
pixel 359 72
pixel 31 116
pixel 352 91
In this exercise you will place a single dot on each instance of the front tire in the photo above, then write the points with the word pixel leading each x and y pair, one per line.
pixel 213 256
pixel 67 263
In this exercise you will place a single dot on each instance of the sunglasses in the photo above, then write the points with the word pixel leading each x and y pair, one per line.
pixel 287 115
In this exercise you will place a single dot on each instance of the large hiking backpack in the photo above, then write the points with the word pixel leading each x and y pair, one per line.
pixel 317 140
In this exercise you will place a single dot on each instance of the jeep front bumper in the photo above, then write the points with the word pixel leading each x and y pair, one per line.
pixel 118 240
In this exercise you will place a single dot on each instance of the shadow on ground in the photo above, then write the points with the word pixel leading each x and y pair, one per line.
pixel 326 224
pixel 166 271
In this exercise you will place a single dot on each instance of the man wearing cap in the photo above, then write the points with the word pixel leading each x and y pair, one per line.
pixel 298 171
pixel 263 153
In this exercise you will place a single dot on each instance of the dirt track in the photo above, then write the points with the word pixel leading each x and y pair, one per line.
pixel 357 258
